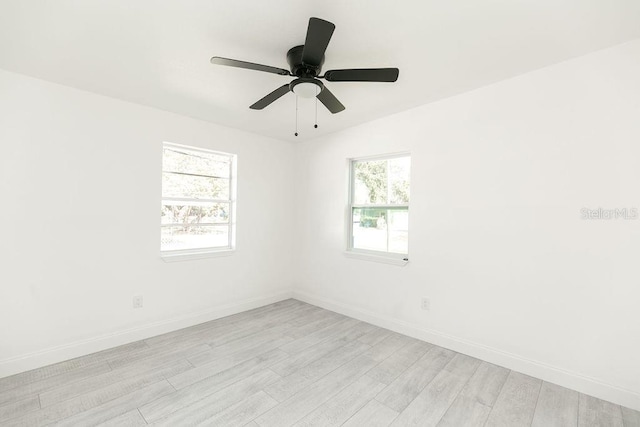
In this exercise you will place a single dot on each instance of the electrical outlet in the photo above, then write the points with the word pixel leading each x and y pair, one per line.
pixel 137 301
pixel 425 304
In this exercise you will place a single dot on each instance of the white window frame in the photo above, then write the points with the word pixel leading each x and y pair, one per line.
pixel 198 253
pixel 367 254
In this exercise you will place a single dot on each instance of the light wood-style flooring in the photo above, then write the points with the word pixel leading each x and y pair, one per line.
pixel 292 363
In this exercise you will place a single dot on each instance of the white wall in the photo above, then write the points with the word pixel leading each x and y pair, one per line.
pixel 499 176
pixel 80 184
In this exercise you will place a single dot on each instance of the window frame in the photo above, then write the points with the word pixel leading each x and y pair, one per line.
pixel 369 254
pixel 206 252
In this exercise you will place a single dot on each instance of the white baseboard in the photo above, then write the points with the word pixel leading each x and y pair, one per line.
pixel 572 380
pixel 75 349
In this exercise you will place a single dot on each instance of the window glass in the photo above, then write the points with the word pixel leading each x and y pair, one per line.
pixel 380 205
pixel 196 212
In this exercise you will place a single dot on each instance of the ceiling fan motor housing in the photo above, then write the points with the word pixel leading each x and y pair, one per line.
pixel 298 68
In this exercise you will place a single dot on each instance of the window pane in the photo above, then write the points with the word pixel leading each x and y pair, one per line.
pixel 195 187
pixel 194 237
pixel 377 229
pixel 399 170
pixel 176 159
pixel 200 213
pixel 370 182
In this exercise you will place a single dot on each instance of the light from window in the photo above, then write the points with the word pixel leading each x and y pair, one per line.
pixel 379 205
pixel 197 200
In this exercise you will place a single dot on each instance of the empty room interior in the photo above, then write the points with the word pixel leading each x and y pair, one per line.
pixel 332 213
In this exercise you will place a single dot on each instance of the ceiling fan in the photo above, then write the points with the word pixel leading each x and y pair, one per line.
pixel 306 62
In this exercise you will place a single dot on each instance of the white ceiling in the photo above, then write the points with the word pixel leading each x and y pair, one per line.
pixel 156 52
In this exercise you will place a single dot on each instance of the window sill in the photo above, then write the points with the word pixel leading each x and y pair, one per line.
pixel 376 258
pixel 188 256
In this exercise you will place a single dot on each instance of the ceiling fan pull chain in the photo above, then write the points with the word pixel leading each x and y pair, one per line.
pixel 296 116
pixel 316 122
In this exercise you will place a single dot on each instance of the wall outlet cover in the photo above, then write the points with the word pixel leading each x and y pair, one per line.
pixel 137 301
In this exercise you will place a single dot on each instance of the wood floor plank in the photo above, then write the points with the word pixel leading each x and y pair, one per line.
pixel 231 364
pixel 315 317
pixel 21 407
pixel 67 366
pixel 320 335
pixel 114 408
pixel 276 316
pixel 297 361
pixel 300 404
pixel 387 371
pixel 243 333
pixel 244 351
pixel 194 392
pixel 516 402
pixel 465 411
pixel 409 384
pixel 387 346
pixel 557 406
pixel 87 401
pixel 373 414
pixel 152 373
pixel 291 384
pixel 630 417
pixel 190 340
pixel 375 336
pixel 107 354
pixel 128 419
pixel 247 345
pixel 242 412
pixel 24 378
pixel 472 406
pixel 153 358
pixel 326 321
pixel 342 406
pixel 259 326
pixel 428 408
pixel 301 315
pixel 286 387
pixel 28 377
pixel 594 412
pixel 264 312
pixel 23 391
pixel 207 408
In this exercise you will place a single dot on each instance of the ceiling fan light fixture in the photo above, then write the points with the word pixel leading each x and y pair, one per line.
pixel 306 89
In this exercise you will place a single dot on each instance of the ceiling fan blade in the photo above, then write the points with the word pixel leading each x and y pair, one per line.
pixel 363 75
pixel 281 91
pixel 248 65
pixel 330 101
pixel 319 33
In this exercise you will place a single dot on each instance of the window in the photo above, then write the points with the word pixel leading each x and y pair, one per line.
pixel 379 205
pixel 197 212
